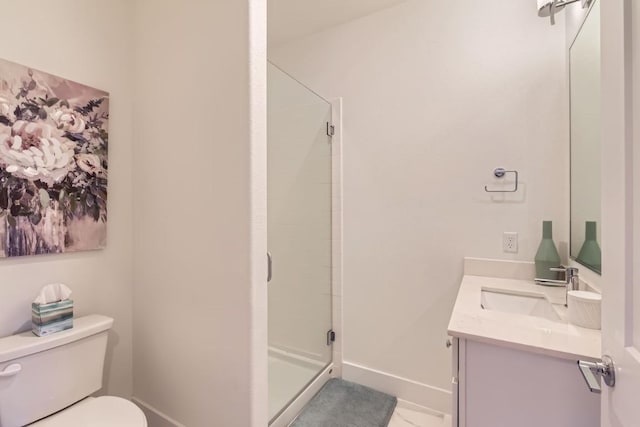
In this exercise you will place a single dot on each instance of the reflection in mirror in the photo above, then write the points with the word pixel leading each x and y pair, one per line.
pixel 585 142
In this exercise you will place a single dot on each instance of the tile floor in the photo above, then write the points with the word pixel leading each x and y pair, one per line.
pixel 410 415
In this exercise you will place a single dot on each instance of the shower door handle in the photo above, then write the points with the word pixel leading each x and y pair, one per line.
pixel 269 267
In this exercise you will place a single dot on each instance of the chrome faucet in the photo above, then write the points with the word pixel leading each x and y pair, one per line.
pixel 571 281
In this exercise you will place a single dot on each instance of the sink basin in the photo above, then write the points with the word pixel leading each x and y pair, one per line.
pixel 528 305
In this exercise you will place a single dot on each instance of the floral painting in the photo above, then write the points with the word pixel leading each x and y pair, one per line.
pixel 53 163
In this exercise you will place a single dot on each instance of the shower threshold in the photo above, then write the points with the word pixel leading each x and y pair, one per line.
pixel 290 381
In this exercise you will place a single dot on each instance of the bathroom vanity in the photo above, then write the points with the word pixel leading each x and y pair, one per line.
pixel 515 354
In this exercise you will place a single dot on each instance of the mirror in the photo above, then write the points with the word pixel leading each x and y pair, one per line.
pixel 585 84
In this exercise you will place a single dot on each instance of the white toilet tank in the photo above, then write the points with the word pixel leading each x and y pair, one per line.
pixel 42 375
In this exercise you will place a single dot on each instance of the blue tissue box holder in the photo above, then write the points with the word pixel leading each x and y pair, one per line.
pixel 50 318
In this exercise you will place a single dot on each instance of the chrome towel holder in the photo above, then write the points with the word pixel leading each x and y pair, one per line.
pixel 501 173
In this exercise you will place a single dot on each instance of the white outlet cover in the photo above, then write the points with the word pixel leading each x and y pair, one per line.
pixel 510 242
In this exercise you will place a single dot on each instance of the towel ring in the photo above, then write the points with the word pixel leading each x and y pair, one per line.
pixel 501 173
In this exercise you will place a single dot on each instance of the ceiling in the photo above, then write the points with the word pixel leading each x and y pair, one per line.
pixel 292 19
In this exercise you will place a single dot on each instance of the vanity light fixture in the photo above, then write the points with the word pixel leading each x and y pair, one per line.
pixel 551 7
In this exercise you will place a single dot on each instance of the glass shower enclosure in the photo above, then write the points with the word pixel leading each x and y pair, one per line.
pixel 299 237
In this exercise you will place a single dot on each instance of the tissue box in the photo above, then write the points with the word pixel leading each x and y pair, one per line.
pixel 50 318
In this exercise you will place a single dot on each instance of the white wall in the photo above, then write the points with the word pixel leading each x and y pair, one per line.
pixel 292 19
pixel 436 95
pixel 200 230
pixel 85 41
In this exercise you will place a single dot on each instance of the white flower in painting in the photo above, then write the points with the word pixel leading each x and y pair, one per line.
pixel 89 163
pixel 31 152
pixel 69 120
pixel 6 108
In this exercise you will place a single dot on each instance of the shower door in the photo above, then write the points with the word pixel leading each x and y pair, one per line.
pixel 299 237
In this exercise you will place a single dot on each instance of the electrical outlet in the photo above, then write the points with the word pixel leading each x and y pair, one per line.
pixel 510 242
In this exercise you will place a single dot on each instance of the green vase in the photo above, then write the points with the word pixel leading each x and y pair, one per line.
pixel 590 254
pixel 547 256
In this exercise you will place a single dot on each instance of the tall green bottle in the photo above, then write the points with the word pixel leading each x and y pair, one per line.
pixel 590 254
pixel 547 256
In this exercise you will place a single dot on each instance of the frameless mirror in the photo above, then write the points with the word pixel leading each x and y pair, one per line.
pixel 584 56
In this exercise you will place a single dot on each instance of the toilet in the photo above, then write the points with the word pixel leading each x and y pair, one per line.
pixel 47 381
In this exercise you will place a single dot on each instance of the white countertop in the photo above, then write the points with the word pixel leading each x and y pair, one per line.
pixel 529 333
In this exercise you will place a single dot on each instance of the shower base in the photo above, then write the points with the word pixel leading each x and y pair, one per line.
pixel 289 375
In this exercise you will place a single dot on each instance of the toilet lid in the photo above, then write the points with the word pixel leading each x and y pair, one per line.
pixel 105 411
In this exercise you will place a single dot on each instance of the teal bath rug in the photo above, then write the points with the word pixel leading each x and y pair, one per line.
pixel 344 404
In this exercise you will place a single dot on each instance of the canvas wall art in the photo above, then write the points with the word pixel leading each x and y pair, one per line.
pixel 53 163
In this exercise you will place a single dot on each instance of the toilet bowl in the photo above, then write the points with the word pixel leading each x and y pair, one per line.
pixel 47 381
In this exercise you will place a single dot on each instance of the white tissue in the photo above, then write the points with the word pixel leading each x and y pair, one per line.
pixel 53 293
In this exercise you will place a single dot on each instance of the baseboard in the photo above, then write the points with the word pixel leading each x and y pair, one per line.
pixel 411 391
pixel 155 418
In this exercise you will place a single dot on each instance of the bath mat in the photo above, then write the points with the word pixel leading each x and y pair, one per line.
pixel 344 404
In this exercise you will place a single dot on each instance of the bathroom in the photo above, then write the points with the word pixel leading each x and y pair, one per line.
pixel 427 100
